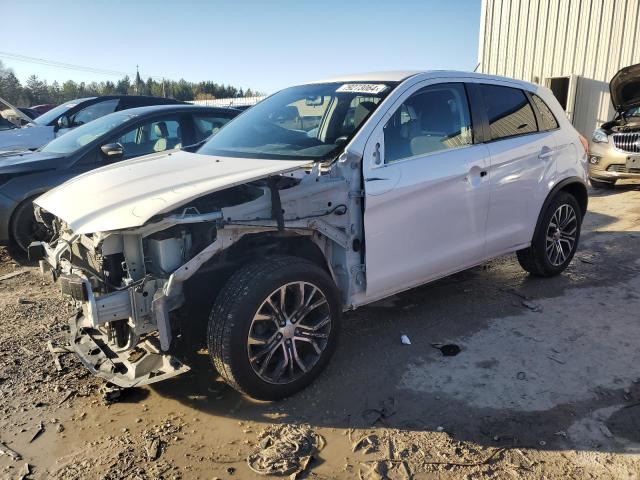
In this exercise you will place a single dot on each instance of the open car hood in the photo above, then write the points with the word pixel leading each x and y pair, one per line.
pixel 127 194
pixel 625 88
pixel 17 112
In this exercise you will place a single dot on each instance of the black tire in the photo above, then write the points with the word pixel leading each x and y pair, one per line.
pixel 535 259
pixel 602 184
pixel 25 228
pixel 233 312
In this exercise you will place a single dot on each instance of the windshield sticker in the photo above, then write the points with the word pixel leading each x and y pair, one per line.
pixel 69 105
pixel 368 88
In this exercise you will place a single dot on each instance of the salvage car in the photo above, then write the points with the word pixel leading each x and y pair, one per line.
pixel 59 120
pixel 322 198
pixel 614 150
pixel 109 139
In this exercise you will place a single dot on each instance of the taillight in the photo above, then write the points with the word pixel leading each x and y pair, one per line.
pixel 585 143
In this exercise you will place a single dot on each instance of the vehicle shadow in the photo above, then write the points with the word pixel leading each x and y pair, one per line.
pixel 537 358
pixel 620 186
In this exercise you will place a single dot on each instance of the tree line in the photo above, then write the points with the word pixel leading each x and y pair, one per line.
pixel 36 91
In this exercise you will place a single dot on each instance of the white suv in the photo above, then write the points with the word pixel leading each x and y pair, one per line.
pixel 322 198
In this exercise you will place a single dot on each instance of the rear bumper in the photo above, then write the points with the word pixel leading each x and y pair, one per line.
pixel 140 365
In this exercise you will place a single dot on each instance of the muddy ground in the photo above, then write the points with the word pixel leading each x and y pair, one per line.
pixel 546 384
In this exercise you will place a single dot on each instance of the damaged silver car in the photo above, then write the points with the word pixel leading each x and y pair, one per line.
pixel 321 198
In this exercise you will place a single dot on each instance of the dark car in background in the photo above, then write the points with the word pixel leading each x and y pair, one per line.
pixel 62 118
pixel 29 112
pixel 43 108
pixel 111 138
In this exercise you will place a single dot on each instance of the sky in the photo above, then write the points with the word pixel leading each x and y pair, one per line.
pixel 262 45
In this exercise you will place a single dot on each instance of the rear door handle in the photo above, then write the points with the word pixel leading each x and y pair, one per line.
pixel 545 153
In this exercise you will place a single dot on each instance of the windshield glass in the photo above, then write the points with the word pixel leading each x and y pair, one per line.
pixel 47 117
pixel 305 122
pixel 79 137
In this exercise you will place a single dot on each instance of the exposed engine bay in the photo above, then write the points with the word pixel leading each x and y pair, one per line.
pixel 622 125
pixel 129 284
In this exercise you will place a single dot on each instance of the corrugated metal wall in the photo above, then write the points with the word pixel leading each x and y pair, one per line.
pixel 537 39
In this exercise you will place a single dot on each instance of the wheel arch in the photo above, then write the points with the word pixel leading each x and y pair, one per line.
pixel 573 185
pixel 12 217
pixel 256 246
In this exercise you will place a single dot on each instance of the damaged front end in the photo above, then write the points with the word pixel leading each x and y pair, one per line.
pixel 129 284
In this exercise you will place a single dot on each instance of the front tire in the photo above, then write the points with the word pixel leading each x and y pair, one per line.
pixel 556 238
pixel 274 327
pixel 25 228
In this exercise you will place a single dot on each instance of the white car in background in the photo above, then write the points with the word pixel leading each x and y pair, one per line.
pixel 59 120
pixel 322 198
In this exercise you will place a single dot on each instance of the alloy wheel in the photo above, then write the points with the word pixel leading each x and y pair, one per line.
pixel 289 332
pixel 561 234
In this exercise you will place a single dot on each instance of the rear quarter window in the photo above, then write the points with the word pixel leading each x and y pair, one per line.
pixel 547 119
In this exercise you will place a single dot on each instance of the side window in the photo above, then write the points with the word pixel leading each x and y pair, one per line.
pixel 508 111
pixel 151 137
pixel 547 118
pixel 434 118
pixel 207 125
pixel 94 111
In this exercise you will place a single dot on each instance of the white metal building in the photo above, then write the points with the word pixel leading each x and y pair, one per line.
pixel 573 47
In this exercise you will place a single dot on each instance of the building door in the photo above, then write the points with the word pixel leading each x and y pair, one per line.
pixel 564 89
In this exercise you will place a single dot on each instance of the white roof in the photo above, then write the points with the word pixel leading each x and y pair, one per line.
pixel 391 76
pixel 399 76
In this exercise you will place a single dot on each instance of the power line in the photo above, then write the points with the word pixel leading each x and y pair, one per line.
pixel 70 66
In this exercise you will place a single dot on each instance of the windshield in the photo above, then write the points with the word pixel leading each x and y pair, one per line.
pixel 47 117
pixel 308 121
pixel 81 136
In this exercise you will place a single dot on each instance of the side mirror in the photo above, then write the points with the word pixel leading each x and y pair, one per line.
pixel 63 122
pixel 112 150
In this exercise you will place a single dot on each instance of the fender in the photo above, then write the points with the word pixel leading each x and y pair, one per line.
pixel 571 183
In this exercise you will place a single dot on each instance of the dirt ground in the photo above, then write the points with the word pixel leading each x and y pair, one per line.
pixel 546 383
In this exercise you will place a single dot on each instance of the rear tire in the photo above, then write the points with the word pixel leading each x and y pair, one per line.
pixel 556 238
pixel 602 184
pixel 255 329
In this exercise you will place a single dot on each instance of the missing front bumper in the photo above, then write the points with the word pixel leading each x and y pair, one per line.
pixel 141 365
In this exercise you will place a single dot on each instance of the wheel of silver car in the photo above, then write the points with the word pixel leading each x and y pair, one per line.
pixel 274 326
pixel 289 332
pixel 561 234
pixel 556 238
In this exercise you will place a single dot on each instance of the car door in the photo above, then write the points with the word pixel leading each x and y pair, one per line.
pixel 522 164
pixel 89 113
pixel 426 191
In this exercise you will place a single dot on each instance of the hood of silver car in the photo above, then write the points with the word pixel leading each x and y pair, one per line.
pixel 127 194
pixel 625 88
